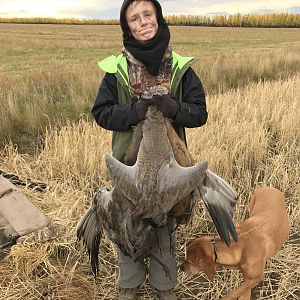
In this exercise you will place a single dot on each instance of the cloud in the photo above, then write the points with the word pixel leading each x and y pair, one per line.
pixel 93 9
pixel 92 13
pixel 31 8
pixel 204 7
pixel 100 9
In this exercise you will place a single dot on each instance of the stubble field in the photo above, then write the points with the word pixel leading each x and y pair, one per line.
pixel 48 82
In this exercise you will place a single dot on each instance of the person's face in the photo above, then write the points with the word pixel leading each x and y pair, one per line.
pixel 141 20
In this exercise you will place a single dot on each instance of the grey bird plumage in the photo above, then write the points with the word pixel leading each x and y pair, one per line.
pixel 110 213
pixel 156 182
pixel 147 192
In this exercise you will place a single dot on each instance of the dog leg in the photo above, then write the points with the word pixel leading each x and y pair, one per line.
pixel 244 291
pixel 246 295
pixel 252 277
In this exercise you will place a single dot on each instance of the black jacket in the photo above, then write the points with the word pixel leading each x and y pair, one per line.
pixel 112 116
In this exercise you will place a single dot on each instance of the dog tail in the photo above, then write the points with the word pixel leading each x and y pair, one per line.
pixel 220 198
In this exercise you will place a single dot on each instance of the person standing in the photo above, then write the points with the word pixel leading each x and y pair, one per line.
pixel 147 63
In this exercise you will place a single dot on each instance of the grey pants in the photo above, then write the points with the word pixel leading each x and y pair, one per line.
pixel 132 274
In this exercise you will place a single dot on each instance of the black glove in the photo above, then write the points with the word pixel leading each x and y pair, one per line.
pixel 141 107
pixel 167 105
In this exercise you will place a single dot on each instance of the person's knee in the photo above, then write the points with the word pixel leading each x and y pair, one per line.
pixel 165 243
pixel 163 275
pixel 131 274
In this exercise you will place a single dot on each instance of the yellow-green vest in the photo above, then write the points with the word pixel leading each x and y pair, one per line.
pixel 118 66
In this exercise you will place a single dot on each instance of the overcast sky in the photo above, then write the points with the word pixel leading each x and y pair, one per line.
pixel 100 9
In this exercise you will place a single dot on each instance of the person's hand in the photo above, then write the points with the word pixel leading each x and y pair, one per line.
pixel 141 106
pixel 167 105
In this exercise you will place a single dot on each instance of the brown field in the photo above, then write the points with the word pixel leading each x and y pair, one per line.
pixel 252 139
pixel 49 73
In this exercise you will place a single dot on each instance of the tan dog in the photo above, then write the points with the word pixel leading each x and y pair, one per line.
pixel 260 237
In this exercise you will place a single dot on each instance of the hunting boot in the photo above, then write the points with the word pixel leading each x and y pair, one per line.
pixel 167 295
pixel 127 294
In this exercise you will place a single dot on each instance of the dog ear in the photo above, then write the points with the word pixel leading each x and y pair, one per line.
pixel 209 268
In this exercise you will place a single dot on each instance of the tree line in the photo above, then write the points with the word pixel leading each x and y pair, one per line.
pixel 70 21
pixel 237 20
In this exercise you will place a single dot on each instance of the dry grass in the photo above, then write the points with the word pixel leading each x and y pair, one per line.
pixel 252 139
pixel 228 70
pixel 49 73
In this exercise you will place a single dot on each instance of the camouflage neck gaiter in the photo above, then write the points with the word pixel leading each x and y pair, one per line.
pixel 141 79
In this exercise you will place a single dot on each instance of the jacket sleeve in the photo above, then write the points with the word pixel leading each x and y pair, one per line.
pixel 192 109
pixel 107 112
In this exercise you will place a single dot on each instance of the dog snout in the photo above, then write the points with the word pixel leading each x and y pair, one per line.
pixel 187 269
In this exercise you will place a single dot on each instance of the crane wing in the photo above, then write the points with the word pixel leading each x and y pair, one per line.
pixel 220 199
